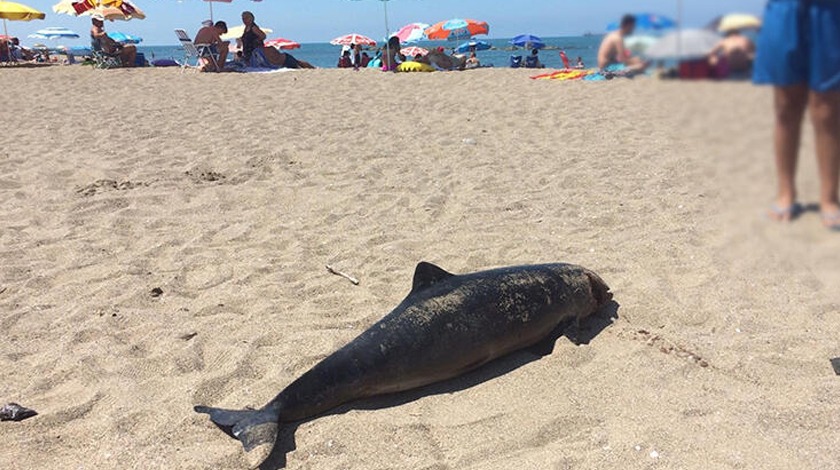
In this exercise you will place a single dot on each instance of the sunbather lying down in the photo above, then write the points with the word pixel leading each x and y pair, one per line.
pixel 441 61
pixel 270 57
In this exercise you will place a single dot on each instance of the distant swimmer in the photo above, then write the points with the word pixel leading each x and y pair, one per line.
pixel 613 56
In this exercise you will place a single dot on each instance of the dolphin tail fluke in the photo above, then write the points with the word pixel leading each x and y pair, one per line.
pixel 255 429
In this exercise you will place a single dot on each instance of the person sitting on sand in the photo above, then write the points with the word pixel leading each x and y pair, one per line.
pixel 737 50
pixel 472 62
pixel 613 56
pixel 345 62
pixel 100 41
pixel 257 55
pixel 212 35
pixel 392 57
pixel 533 60
pixel 579 63
pixel 440 61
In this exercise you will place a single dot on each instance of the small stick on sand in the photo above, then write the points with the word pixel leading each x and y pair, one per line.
pixel 344 275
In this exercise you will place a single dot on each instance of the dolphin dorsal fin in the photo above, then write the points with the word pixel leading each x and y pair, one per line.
pixel 427 275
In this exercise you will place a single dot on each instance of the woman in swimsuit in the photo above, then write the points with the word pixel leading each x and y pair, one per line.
pixel 255 51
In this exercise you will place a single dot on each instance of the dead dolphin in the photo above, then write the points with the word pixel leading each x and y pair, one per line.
pixel 446 326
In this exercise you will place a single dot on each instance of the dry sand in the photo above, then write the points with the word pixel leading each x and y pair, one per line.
pixel 231 192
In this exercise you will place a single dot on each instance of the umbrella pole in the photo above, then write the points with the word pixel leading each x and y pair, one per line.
pixel 387 32
pixel 211 10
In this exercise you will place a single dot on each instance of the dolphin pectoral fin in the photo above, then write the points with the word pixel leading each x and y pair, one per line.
pixel 255 429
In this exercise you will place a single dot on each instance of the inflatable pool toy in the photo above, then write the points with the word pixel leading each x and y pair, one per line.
pixel 412 66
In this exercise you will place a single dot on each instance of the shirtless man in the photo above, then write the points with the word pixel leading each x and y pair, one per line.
pixel 212 35
pixel 738 50
pixel 613 52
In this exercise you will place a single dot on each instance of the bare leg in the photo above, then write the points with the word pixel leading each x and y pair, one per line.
pixel 274 56
pixel 790 102
pixel 223 53
pixel 825 114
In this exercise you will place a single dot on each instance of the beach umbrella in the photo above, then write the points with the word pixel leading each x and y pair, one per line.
pixel 17 12
pixel 685 44
pixel 411 32
pixel 528 41
pixel 648 21
pixel 210 2
pixel 105 9
pixel 457 28
pixel 353 38
pixel 124 38
pixel 282 43
pixel 734 22
pixel 54 32
pixel 413 51
pixel 236 32
pixel 477 45
pixel 639 43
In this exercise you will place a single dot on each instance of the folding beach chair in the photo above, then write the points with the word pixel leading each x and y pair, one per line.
pixel 103 60
pixel 196 51
pixel 515 61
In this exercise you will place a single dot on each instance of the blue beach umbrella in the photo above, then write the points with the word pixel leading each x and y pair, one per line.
pixel 648 21
pixel 478 45
pixel 53 33
pixel 528 41
pixel 124 38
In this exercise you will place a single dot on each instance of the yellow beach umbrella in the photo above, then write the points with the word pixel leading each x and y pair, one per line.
pixel 18 12
pixel 237 31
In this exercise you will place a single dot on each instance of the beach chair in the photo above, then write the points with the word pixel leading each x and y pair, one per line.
pixel 103 60
pixel 515 61
pixel 196 51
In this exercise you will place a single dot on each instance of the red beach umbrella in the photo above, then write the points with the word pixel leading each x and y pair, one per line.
pixel 282 43
pixel 353 38
pixel 413 51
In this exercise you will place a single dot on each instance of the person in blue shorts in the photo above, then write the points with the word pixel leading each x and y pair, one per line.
pixel 798 52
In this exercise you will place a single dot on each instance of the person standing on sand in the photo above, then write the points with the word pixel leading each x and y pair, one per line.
pixel 612 52
pixel 797 53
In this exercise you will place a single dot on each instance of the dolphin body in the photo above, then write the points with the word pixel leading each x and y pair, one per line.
pixel 446 326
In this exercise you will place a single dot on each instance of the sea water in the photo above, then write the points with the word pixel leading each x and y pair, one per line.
pixel 326 55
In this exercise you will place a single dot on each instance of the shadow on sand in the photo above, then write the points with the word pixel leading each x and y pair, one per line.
pixel 577 334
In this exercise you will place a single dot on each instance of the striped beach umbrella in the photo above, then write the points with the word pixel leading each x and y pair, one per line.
pixel 54 32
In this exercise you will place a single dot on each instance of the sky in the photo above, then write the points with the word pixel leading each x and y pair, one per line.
pixel 321 20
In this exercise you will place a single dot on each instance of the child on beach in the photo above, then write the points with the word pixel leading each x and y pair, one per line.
pixel 797 54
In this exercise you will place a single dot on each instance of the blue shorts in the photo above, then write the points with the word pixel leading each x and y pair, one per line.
pixel 799 44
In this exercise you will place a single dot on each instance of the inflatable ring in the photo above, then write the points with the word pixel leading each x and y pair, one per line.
pixel 412 66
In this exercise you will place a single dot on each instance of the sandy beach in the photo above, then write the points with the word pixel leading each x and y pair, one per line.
pixel 230 193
